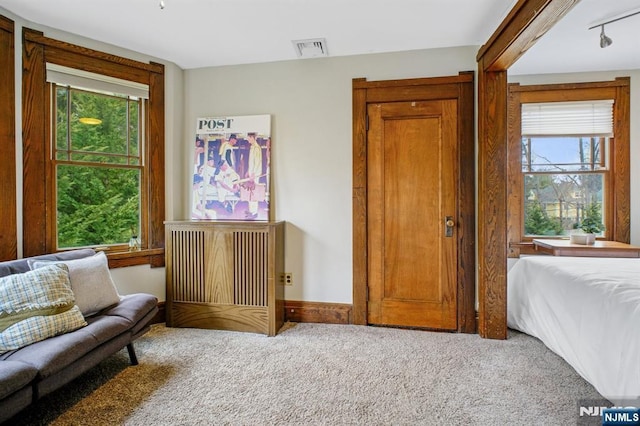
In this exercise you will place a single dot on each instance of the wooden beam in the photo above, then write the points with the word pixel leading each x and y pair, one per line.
pixel 492 204
pixel 526 23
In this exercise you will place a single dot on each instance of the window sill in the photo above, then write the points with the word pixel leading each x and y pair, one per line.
pixel 527 246
pixel 151 257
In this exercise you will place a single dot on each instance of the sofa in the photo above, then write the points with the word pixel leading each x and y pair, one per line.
pixel 90 330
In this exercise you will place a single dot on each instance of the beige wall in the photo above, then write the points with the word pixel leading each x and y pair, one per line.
pixel 310 103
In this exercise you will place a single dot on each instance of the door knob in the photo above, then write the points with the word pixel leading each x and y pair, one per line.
pixel 448 226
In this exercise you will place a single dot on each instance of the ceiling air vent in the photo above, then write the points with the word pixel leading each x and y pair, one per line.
pixel 312 48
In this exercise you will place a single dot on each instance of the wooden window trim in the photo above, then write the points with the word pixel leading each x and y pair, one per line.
pixel 8 216
pixel 51 172
pixel 618 205
pixel 37 207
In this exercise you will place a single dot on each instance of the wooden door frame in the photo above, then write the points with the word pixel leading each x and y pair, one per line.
pixel 461 88
pixel 527 21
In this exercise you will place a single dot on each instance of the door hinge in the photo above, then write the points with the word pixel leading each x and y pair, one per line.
pixel 366 123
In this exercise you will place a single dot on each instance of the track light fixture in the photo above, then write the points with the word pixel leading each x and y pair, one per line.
pixel 604 40
pixel 161 4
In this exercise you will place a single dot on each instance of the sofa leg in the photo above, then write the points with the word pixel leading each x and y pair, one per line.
pixel 132 354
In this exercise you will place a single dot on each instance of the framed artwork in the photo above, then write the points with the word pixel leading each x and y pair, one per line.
pixel 231 168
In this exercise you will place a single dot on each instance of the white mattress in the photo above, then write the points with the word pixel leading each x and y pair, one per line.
pixel 587 310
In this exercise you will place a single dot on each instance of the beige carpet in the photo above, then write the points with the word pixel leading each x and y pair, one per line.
pixel 318 374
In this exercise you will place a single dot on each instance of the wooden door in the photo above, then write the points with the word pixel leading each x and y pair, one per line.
pixel 412 152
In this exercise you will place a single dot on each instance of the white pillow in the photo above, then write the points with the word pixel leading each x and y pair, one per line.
pixel 91 282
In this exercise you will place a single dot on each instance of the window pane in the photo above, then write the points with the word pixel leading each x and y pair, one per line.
pixel 134 110
pixel 563 154
pixel 97 205
pixel 107 136
pixel 102 128
pixel 61 119
pixel 556 204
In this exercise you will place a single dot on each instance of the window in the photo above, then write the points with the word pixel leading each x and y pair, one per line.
pixel 99 167
pixel 93 137
pixel 565 151
pixel 568 161
pixel 563 177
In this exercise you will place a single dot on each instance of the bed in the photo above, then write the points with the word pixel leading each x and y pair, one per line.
pixel 587 310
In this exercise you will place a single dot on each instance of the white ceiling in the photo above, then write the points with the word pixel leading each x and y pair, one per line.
pixel 571 47
pixel 202 33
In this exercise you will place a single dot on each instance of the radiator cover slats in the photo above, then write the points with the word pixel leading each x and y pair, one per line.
pixel 225 275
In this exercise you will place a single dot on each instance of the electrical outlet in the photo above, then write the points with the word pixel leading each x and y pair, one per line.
pixel 288 278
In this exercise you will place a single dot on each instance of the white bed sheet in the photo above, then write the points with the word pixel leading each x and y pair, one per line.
pixel 587 310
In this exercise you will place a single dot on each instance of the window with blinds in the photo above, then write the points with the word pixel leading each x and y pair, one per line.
pixel 565 158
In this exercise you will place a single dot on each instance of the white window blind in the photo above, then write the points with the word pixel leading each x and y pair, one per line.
pixel 91 81
pixel 587 118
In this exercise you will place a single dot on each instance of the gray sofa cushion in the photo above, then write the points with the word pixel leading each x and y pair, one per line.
pixel 88 361
pixel 51 355
pixel 103 328
pixel 55 352
pixel 19 266
pixel 15 375
pixel 134 308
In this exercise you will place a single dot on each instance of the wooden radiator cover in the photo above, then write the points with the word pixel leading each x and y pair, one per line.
pixel 225 275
